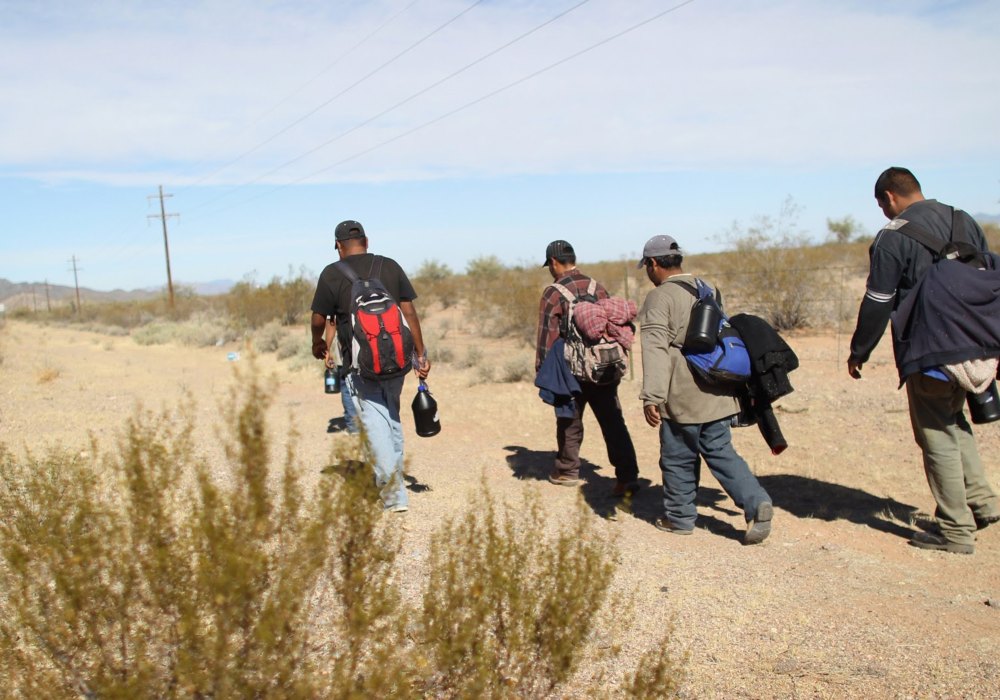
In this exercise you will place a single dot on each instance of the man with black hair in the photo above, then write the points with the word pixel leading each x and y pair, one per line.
pixel 693 417
pixel 560 259
pixel 965 500
pixel 378 401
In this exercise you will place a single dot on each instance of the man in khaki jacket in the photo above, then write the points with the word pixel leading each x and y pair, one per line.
pixel 692 416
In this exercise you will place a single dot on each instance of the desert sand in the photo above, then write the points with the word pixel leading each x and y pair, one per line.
pixel 834 604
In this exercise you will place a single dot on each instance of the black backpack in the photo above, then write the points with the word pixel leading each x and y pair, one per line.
pixel 381 341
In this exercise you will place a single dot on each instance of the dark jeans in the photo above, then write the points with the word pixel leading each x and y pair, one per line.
pixel 681 448
pixel 603 399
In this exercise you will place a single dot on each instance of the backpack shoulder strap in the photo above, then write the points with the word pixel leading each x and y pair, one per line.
pixel 568 295
pixel 696 289
pixel 347 271
pixel 924 237
pixel 693 291
pixel 376 268
pixel 592 287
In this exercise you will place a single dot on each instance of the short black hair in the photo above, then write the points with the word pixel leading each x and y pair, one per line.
pixel 899 181
pixel 668 261
pixel 566 258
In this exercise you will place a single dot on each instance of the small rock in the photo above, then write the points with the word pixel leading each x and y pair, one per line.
pixel 993 602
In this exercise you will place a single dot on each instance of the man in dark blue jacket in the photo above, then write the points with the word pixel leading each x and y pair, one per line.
pixel 965 500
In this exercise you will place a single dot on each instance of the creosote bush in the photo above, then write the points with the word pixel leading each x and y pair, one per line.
pixel 163 579
pixel 507 612
pixel 146 572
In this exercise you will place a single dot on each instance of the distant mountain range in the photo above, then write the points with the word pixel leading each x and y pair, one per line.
pixel 987 218
pixel 37 294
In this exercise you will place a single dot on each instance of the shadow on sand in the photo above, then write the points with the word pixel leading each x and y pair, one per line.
pixel 597 486
pixel 805 497
pixel 801 496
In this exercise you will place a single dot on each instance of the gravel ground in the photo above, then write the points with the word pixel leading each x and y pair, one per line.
pixel 834 604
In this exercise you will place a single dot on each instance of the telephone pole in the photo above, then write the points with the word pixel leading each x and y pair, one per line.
pixel 76 283
pixel 48 302
pixel 163 215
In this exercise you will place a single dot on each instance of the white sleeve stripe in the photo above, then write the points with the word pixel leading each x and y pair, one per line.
pixel 880 297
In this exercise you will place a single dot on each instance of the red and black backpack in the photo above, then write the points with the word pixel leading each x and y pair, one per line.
pixel 381 341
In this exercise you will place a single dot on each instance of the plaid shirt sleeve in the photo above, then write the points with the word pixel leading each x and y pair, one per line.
pixel 550 313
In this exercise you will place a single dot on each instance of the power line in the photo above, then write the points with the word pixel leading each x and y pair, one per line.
pixel 296 91
pixel 471 103
pixel 347 89
pixel 413 96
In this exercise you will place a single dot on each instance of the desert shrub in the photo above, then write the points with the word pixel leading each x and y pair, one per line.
pixel 442 353
pixel 436 284
pixel 658 674
pixel 770 274
pixel 292 345
pixel 269 337
pixel 286 301
pixel 201 330
pixel 514 371
pixel 484 267
pixel 47 374
pixel 145 584
pixel 473 358
pixel 522 605
pixel 506 305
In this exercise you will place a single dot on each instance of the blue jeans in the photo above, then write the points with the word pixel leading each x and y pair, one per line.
pixel 681 448
pixel 378 408
pixel 350 410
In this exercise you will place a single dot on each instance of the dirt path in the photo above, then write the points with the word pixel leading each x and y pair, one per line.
pixel 834 604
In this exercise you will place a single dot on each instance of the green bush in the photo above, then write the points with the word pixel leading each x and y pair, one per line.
pixel 286 301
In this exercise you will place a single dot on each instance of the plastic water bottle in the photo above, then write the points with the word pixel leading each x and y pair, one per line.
pixel 425 412
pixel 331 380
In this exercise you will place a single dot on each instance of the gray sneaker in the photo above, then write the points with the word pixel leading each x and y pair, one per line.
pixel 760 527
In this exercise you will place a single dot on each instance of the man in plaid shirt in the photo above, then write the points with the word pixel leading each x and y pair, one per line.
pixel 560 259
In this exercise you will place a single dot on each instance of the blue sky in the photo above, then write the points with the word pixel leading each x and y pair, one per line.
pixel 602 122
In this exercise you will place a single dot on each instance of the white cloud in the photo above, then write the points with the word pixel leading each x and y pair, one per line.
pixel 116 93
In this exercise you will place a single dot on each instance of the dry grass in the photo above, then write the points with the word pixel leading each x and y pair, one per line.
pixel 47 375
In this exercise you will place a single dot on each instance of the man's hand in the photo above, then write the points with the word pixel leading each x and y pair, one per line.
pixel 652 415
pixel 423 366
pixel 319 349
pixel 854 368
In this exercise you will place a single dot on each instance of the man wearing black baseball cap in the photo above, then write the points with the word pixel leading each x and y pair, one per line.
pixel 560 259
pixel 378 401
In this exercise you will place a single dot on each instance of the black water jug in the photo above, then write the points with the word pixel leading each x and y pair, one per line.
pixel 331 380
pixel 984 407
pixel 703 326
pixel 425 412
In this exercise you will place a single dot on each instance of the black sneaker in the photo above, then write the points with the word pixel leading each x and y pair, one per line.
pixel 983 522
pixel 926 540
pixel 760 527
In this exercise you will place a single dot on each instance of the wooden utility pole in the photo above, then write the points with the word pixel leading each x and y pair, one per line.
pixel 76 283
pixel 48 302
pixel 166 246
